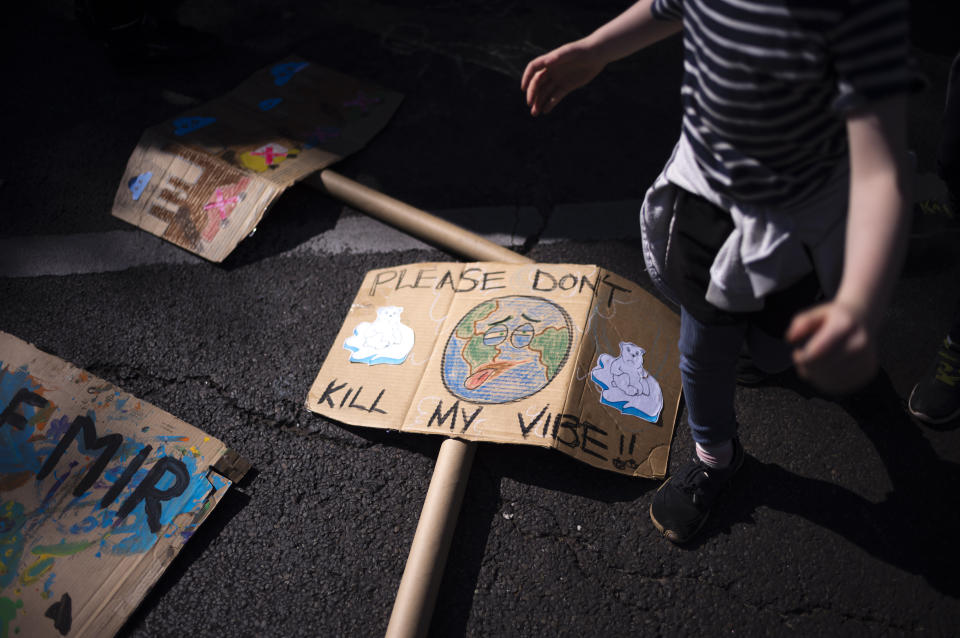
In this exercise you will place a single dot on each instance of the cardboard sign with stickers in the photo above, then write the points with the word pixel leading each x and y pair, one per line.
pixel 204 179
pixel 566 356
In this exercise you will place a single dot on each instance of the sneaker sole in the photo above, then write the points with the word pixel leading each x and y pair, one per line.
pixel 926 418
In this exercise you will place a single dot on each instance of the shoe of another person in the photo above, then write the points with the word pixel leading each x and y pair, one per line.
pixel 936 398
pixel 682 504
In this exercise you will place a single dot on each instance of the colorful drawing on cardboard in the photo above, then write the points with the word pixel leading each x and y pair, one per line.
pixel 267 156
pixel 361 103
pixel 75 487
pixel 284 72
pixel 625 384
pixel 321 134
pixel 281 112
pixel 384 340
pixel 138 184
pixel 36 442
pixel 184 125
pixel 506 349
pixel 269 103
pixel 221 204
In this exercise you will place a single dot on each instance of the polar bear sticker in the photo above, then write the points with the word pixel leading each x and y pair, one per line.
pixel 383 340
pixel 626 386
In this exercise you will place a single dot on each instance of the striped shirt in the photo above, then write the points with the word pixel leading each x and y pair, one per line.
pixel 767 84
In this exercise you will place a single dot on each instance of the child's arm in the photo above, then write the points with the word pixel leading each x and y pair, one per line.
pixel 836 342
pixel 551 76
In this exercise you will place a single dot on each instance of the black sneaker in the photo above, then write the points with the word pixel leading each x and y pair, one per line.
pixel 936 398
pixel 681 505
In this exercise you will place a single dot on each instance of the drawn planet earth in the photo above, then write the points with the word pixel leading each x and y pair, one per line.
pixel 506 349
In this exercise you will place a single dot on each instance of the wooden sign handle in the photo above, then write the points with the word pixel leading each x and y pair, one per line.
pixel 417 594
pixel 420 583
pixel 413 221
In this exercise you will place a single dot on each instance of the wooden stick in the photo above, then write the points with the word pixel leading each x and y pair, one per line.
pixel 420 583
pixel 417 594
pixel 413 221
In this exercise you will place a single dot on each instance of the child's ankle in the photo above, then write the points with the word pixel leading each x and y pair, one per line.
pixel 716 455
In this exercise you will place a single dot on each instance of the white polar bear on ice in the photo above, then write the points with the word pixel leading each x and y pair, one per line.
pixel 626 385
pixel 384 340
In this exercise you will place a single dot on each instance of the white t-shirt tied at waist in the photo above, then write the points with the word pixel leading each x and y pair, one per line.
pixel 770 248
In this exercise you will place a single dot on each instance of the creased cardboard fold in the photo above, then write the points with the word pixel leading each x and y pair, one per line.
pixel 204 179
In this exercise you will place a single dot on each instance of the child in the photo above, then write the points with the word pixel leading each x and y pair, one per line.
pixel 786 185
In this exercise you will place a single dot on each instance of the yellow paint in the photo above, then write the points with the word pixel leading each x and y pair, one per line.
pixel 266 156
pixel 253 162
pixel 37 570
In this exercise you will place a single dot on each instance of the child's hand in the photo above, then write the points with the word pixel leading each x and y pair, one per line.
pixel 550 77
pixel 834 347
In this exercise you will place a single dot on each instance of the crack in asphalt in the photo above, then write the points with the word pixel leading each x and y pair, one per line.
pixel 123 376
pixel 860 618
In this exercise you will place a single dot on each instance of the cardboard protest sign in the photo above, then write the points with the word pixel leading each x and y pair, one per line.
pixel 566 356
pixel 204 179
pixel 98 492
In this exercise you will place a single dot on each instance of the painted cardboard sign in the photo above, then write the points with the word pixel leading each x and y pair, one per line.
pixel 204 179
pixel 98 492
pixel 566 356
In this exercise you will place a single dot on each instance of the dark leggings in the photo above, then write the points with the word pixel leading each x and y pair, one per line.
pixel 710 338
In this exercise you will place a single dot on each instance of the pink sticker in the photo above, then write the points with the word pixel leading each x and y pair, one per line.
pixel 320 135
pixel 267 156
pixel 270 152
pixel 221 205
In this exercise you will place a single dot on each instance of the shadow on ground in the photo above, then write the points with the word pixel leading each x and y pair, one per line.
pixel 914 528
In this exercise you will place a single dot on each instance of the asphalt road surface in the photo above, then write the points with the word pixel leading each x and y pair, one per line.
pixel 843 521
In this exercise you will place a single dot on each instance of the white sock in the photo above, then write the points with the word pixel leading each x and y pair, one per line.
pixel 716 455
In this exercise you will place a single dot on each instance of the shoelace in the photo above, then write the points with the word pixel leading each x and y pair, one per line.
pixel 692 480
pixel 947 371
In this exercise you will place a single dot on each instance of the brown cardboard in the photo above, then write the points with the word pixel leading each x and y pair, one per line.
pixel 98 493
pixel 509 353
pixel 204 179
